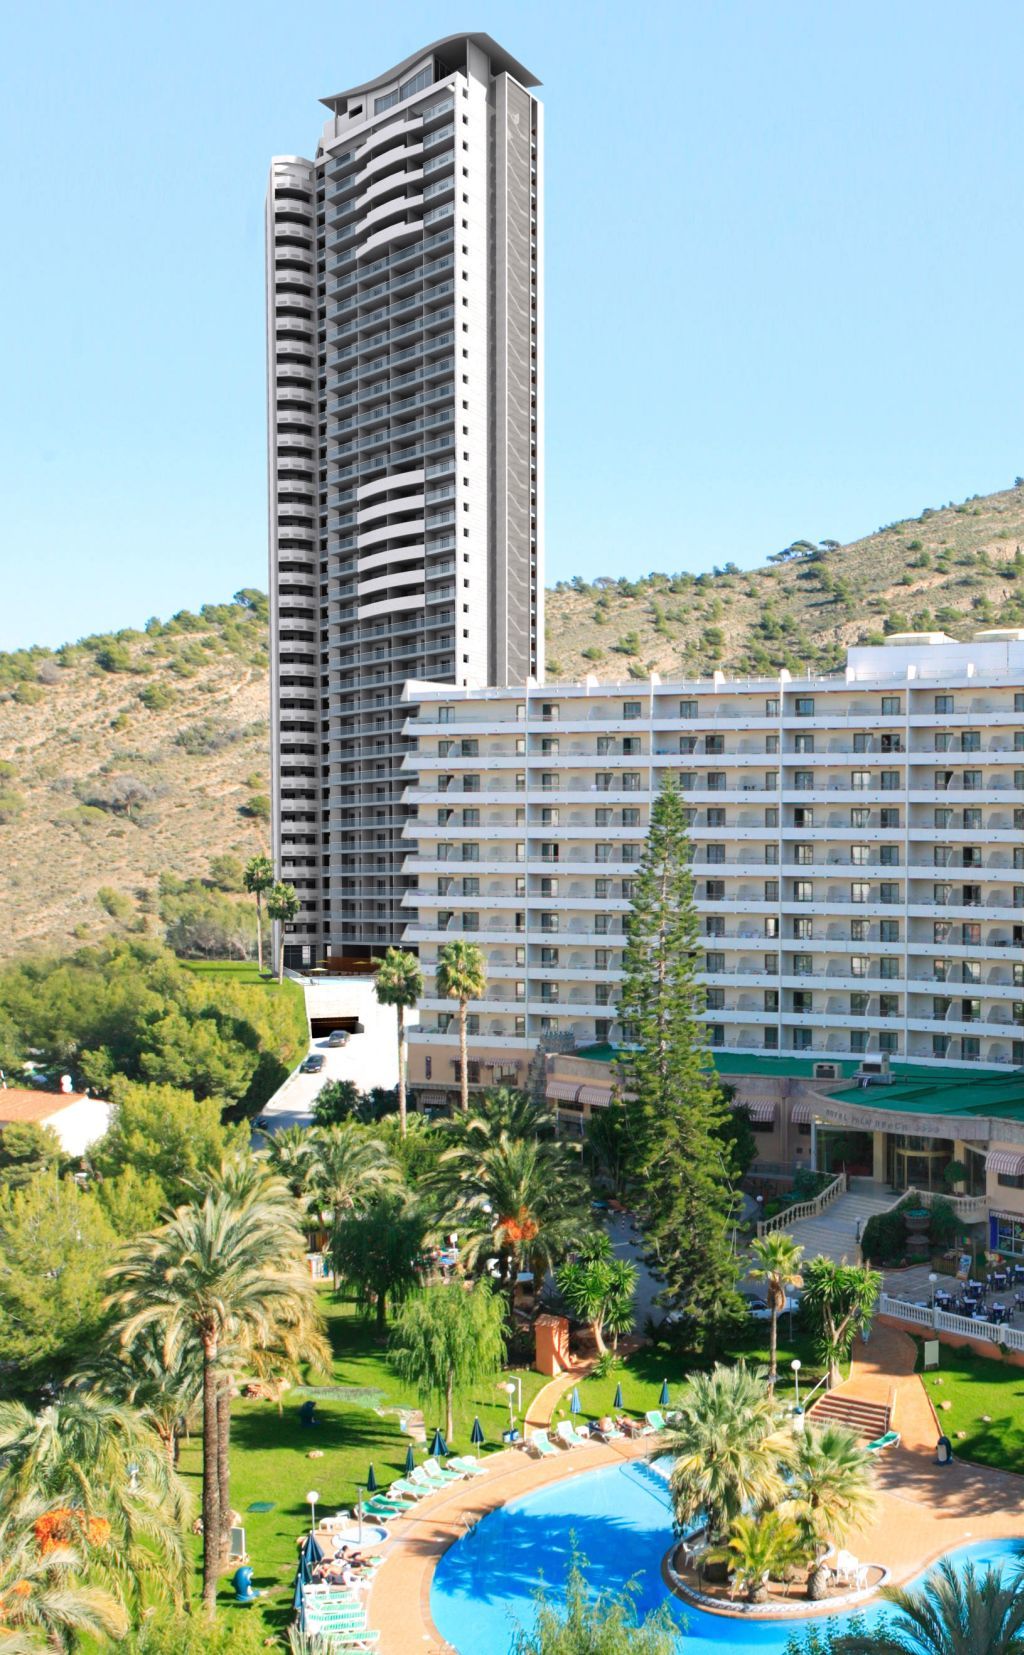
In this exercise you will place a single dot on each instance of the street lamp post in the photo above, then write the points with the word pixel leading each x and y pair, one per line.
pixel 932 1279
pixel 313 1496
pixel 795 1365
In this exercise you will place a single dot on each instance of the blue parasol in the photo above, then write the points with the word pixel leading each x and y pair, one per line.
pixel 312 1551
pixel 618 1397
pixel 438 1448
pixel 410 1461
pixel 663 1398
pixel 575 1405
pixel 476 1436
pixel 371 1480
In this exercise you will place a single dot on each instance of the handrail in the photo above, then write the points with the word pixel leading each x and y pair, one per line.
pixel 804 1209
pixel 822 1381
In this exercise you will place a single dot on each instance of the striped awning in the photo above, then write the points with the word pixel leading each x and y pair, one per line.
pixel 1006 1161
pixel 759 1109
pixel 803 1113
pixel 563 1091
pixel 595 1097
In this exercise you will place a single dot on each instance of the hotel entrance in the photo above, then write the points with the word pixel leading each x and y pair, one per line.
pixel 916 1163
pixel 845 1150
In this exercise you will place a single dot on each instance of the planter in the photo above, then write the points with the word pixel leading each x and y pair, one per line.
pixel 716 1570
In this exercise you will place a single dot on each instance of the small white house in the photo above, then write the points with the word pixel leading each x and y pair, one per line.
pixel 78 1120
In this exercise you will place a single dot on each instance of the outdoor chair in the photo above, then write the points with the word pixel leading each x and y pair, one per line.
pixel 607 1430
pixel 541 1444
pixel 447 1474
pixel 890 1439
pixel 420 1474
pixel 469 1466
pixel 655 1419
pixel 567 1433
pixel 415 1491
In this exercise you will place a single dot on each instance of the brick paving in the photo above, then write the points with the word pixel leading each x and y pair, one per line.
pixel 923 1509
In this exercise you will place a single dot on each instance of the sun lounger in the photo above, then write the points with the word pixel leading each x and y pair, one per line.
pixel 379 1506
pixel 410 1490
pixel 655 1419
pixel 567 1433
pixel 635 1427
pixel 541 1444
pixel 468 1465
pixel 447 1474
pixel 419 1474
pixel 607 1433
pixel 891 1439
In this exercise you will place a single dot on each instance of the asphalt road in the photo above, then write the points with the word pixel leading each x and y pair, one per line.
pixel 369 1059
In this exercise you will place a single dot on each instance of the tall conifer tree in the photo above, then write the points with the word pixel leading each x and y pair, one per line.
pixel 675 1107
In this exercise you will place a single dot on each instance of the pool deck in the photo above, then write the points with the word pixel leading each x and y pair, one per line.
pixel 923 1511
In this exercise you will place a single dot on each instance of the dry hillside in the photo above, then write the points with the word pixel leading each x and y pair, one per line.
pixel 138 754
pixel 122 758
pixel 954 569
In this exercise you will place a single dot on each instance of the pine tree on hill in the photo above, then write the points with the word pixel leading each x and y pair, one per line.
pixel 682 1172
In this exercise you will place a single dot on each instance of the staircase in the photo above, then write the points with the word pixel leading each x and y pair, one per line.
pixel 867 1419
pixel 833 1233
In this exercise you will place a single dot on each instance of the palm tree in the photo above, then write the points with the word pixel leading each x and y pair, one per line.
pixel 258 877
pixel 399 983
pixel 223 1273
pixel 290 1153
pixel 763 1546
pixel 165 1393
pixel 461 976
pixel 777 1264
pixel 349 1166
pixel 839 1300
pixel 523 1199
pixel 599 1288
pixel 729 1446
pixel 829 1488
pixel 43 1602
pixel 956 1612
pixel 282 905
pixel 78 1452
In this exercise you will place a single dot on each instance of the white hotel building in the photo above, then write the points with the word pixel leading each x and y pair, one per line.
pixel 858 861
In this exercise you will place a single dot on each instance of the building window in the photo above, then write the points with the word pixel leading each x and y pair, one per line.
pixel 804 706
pixel 891 705
pixel 943 703
pixel 803 890
pixel 631 709
pixel 688 709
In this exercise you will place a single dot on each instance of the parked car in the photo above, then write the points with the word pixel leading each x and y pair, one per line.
pixel 337 1037
pixel 312 1064
pixel 758 1309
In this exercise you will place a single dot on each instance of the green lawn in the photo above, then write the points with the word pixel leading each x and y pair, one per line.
pixel 979 1386
pixel 643 1374
pixel 269 1453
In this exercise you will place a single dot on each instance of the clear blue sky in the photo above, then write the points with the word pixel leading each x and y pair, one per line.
pixel 784 263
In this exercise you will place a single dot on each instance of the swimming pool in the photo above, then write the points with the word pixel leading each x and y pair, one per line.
pixel 621 1519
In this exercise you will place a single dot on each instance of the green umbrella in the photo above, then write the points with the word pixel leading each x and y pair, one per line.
pixel 371 1481
pixel 663 1398
pixel 410 1461
pixel 476 1436
pixel 438 1448
pixel 618 1397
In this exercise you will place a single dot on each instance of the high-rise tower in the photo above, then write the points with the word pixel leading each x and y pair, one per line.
pixel 405 362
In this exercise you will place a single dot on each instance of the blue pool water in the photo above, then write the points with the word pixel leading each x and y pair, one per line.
pixel 621 1520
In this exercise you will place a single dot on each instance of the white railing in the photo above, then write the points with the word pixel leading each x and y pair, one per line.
pixel 969 1209
pixel 804 1209
pixel 943 1321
